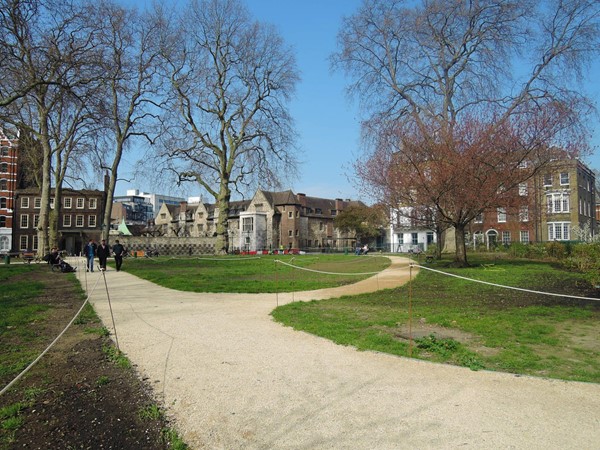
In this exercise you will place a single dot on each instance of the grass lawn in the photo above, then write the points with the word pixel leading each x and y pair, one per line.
pixel 254 274
pixel 18 309
pixel 454 321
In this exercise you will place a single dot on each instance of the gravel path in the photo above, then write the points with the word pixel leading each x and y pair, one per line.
pixel 231 378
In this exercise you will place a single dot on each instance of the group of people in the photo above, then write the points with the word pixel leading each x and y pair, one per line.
pixel 361 250
pixel 102 252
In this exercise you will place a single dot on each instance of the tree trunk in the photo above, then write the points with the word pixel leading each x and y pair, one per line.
pixel 42 228
pixel 460 258
pixel 439 245
pixel 222 241
pixel 53 218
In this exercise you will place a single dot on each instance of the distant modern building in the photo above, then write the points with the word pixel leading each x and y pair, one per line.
pixel 8 185
pixel 134 196
pixel 132 210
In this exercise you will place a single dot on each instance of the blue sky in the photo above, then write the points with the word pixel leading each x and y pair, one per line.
pixel 327 122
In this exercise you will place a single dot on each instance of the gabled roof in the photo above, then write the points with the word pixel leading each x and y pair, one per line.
pixel 281 198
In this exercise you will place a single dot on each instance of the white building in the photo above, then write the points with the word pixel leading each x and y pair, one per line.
pixel 408 233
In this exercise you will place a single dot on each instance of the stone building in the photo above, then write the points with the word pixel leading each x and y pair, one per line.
pixel 269 221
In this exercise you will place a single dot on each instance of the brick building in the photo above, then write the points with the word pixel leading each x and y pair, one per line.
pixel 549 207
pixel 8 185
pixel 80 218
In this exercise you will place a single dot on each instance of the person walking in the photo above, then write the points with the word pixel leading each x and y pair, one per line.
pixel 118 251
pixel 90 253
pixel 103 252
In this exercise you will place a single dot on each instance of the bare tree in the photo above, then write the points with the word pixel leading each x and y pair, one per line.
pixel 128 104
pixel 54 55
pixel 467 99
pixel 231 79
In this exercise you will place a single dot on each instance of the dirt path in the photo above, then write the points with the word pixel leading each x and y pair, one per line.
pixel 232 378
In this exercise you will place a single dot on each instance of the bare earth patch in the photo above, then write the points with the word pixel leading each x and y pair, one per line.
pixel 75 397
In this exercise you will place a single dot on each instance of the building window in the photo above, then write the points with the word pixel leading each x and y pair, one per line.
pixel 24 202
pixel 3 185
pixel 4 151
pixel 318 211
pixel 52 203
pixel 35 242
pixel 3 203
pixel 501 215
pixel 247 224
pixel 67 220
pixel 92 221
pixel 93 203
pixel 24 221
pixel 3 168
pixel 290 233
pixel 4 244
pixel 320 226
pixel 564 178
pixel 290 214
pixel 80 203
pixel 548 179
pixel 79 221
pixel 415 238
pixel 558 202
pixel 333 212
pixel 400 238
pixel 37 203
pixel 163 215
pixel 524 214
pixel 297 233
pixel 525 236
pixel 68 202
pixel 36 219
pixel 559 231
pixel 506 237
pixel 23 243
pixel 523 191
pixel 2 221
pixel 479 218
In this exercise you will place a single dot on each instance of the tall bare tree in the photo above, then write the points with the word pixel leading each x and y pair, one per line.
pixel 466 99
pixel 129 103
pixel 54 55
pixel 232 78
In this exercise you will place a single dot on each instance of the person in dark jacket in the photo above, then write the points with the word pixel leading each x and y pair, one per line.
pixel 118 251
pixel 103 252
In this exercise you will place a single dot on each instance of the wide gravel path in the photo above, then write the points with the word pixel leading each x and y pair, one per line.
pixel 232 378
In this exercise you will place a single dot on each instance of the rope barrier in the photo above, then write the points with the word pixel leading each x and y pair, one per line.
pixel 322 271
pixel 504 286
pixel 35 361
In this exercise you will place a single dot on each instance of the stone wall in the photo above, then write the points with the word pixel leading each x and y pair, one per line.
pixel 168 245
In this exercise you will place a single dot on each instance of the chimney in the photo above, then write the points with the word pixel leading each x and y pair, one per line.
pixel 302 199
pixel 339 204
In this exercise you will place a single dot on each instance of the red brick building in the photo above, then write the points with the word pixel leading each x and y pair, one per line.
pixel 8 185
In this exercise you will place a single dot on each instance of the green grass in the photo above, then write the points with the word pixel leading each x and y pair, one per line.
pixel 18 311
pixel 253 275
pixel 475 325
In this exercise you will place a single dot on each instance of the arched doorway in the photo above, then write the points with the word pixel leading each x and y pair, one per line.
pixel 492 238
